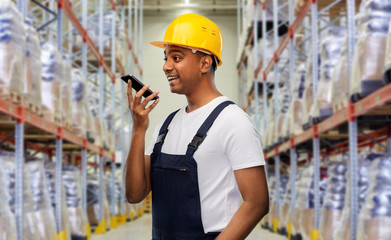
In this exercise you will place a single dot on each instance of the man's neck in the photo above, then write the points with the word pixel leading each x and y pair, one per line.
pixel 196 101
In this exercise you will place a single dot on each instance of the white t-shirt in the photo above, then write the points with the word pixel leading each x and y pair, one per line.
pixel 232 143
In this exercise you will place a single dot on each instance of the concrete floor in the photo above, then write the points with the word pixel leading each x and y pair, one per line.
pixel 140 229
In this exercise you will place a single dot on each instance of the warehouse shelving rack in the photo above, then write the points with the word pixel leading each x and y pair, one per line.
pixel 50 15
pixel 317 133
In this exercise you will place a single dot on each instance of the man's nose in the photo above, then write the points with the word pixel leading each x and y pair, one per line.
pixel 167 66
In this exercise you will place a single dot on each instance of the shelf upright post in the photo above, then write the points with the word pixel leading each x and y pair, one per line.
pixel 140 55
pixel 58 183
pixel 293 156
pixel 100 195
pixel 113 68
pixel 84 24
pixel 19 165
pixel 122 26
pixel 276 105
pixel 59 135
pixel 19 152
pixel 276 80
pixel 101 104
pixel 22 7
pixel 132 61
pixel 353 162
pixel 255 52
pixel 244 80
pixel 277 199
pixel 130 34
pixel 135 36
pixel 316 141
pixel 238 19
pixel 264 76
pixel 84 177
pixel 122 136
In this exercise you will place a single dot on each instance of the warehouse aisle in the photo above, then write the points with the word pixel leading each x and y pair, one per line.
pixel 140 229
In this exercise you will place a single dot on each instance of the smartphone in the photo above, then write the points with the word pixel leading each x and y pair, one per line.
pixel 137 85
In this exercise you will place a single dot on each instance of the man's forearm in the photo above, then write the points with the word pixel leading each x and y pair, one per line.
pixel 243 222
pixel 136 184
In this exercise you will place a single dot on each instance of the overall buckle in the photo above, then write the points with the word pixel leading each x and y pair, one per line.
pixel 196 142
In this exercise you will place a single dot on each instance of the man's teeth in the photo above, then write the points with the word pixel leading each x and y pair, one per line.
pixel 171 78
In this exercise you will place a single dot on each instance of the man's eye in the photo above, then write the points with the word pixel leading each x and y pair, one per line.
pixel 165 59
pixel 176 58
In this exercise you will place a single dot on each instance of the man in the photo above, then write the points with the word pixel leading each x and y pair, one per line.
pixel 205 156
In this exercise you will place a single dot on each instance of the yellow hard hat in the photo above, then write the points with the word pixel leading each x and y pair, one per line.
pixel 196 32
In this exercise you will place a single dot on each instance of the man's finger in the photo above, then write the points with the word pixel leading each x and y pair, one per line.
pixel 149 98
pixel 130 95
pixel 140 93
pixel 153 105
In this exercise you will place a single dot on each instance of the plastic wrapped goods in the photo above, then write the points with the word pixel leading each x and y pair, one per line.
pixel 13 51
pixel 42 205
pixel 283 118
pixel 50 171
pixel 334 200
pixel 108 126
pixel 93 106
pixel 52 78
pixel 296 106
pixel 30 228
pixel 249 16
pixel 285 210
pixel 79 100
pixel 369 55
pixel 305 202
pixel 268 219
pixel 7 218
pixel 387 64
pixel 308 93
pixel 340 81
pixel 117 194
pixel 375 215
pixel 93 190
pixel 77 218
pixel 67 93
pixel 270 138
pixel 91 128
pixel 93 30
pixel 364 164
pixel 122 44
pixel 32 69
pixel 330 52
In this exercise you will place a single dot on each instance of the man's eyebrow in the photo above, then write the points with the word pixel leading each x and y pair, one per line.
pixel 174 51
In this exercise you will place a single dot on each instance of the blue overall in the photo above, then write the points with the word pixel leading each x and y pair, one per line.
pixel 176 205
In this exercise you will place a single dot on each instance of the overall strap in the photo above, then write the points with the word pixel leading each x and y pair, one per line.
pixel 201 133
pixel 163 131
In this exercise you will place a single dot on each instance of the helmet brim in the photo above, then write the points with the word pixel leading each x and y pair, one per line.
pixel 163 44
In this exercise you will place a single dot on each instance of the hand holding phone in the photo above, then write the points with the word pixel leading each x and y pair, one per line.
pixel 137 85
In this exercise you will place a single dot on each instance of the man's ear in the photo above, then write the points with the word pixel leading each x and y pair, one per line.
pixel 206 63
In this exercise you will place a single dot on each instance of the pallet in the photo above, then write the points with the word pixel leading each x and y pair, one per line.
pixel 339 105
pixel 12 96
pixel 33 108
pixel 78 131
pixel 147 203
pixel 68 126
pixel 48 115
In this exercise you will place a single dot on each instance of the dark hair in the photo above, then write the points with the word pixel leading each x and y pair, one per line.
pixel 214 63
